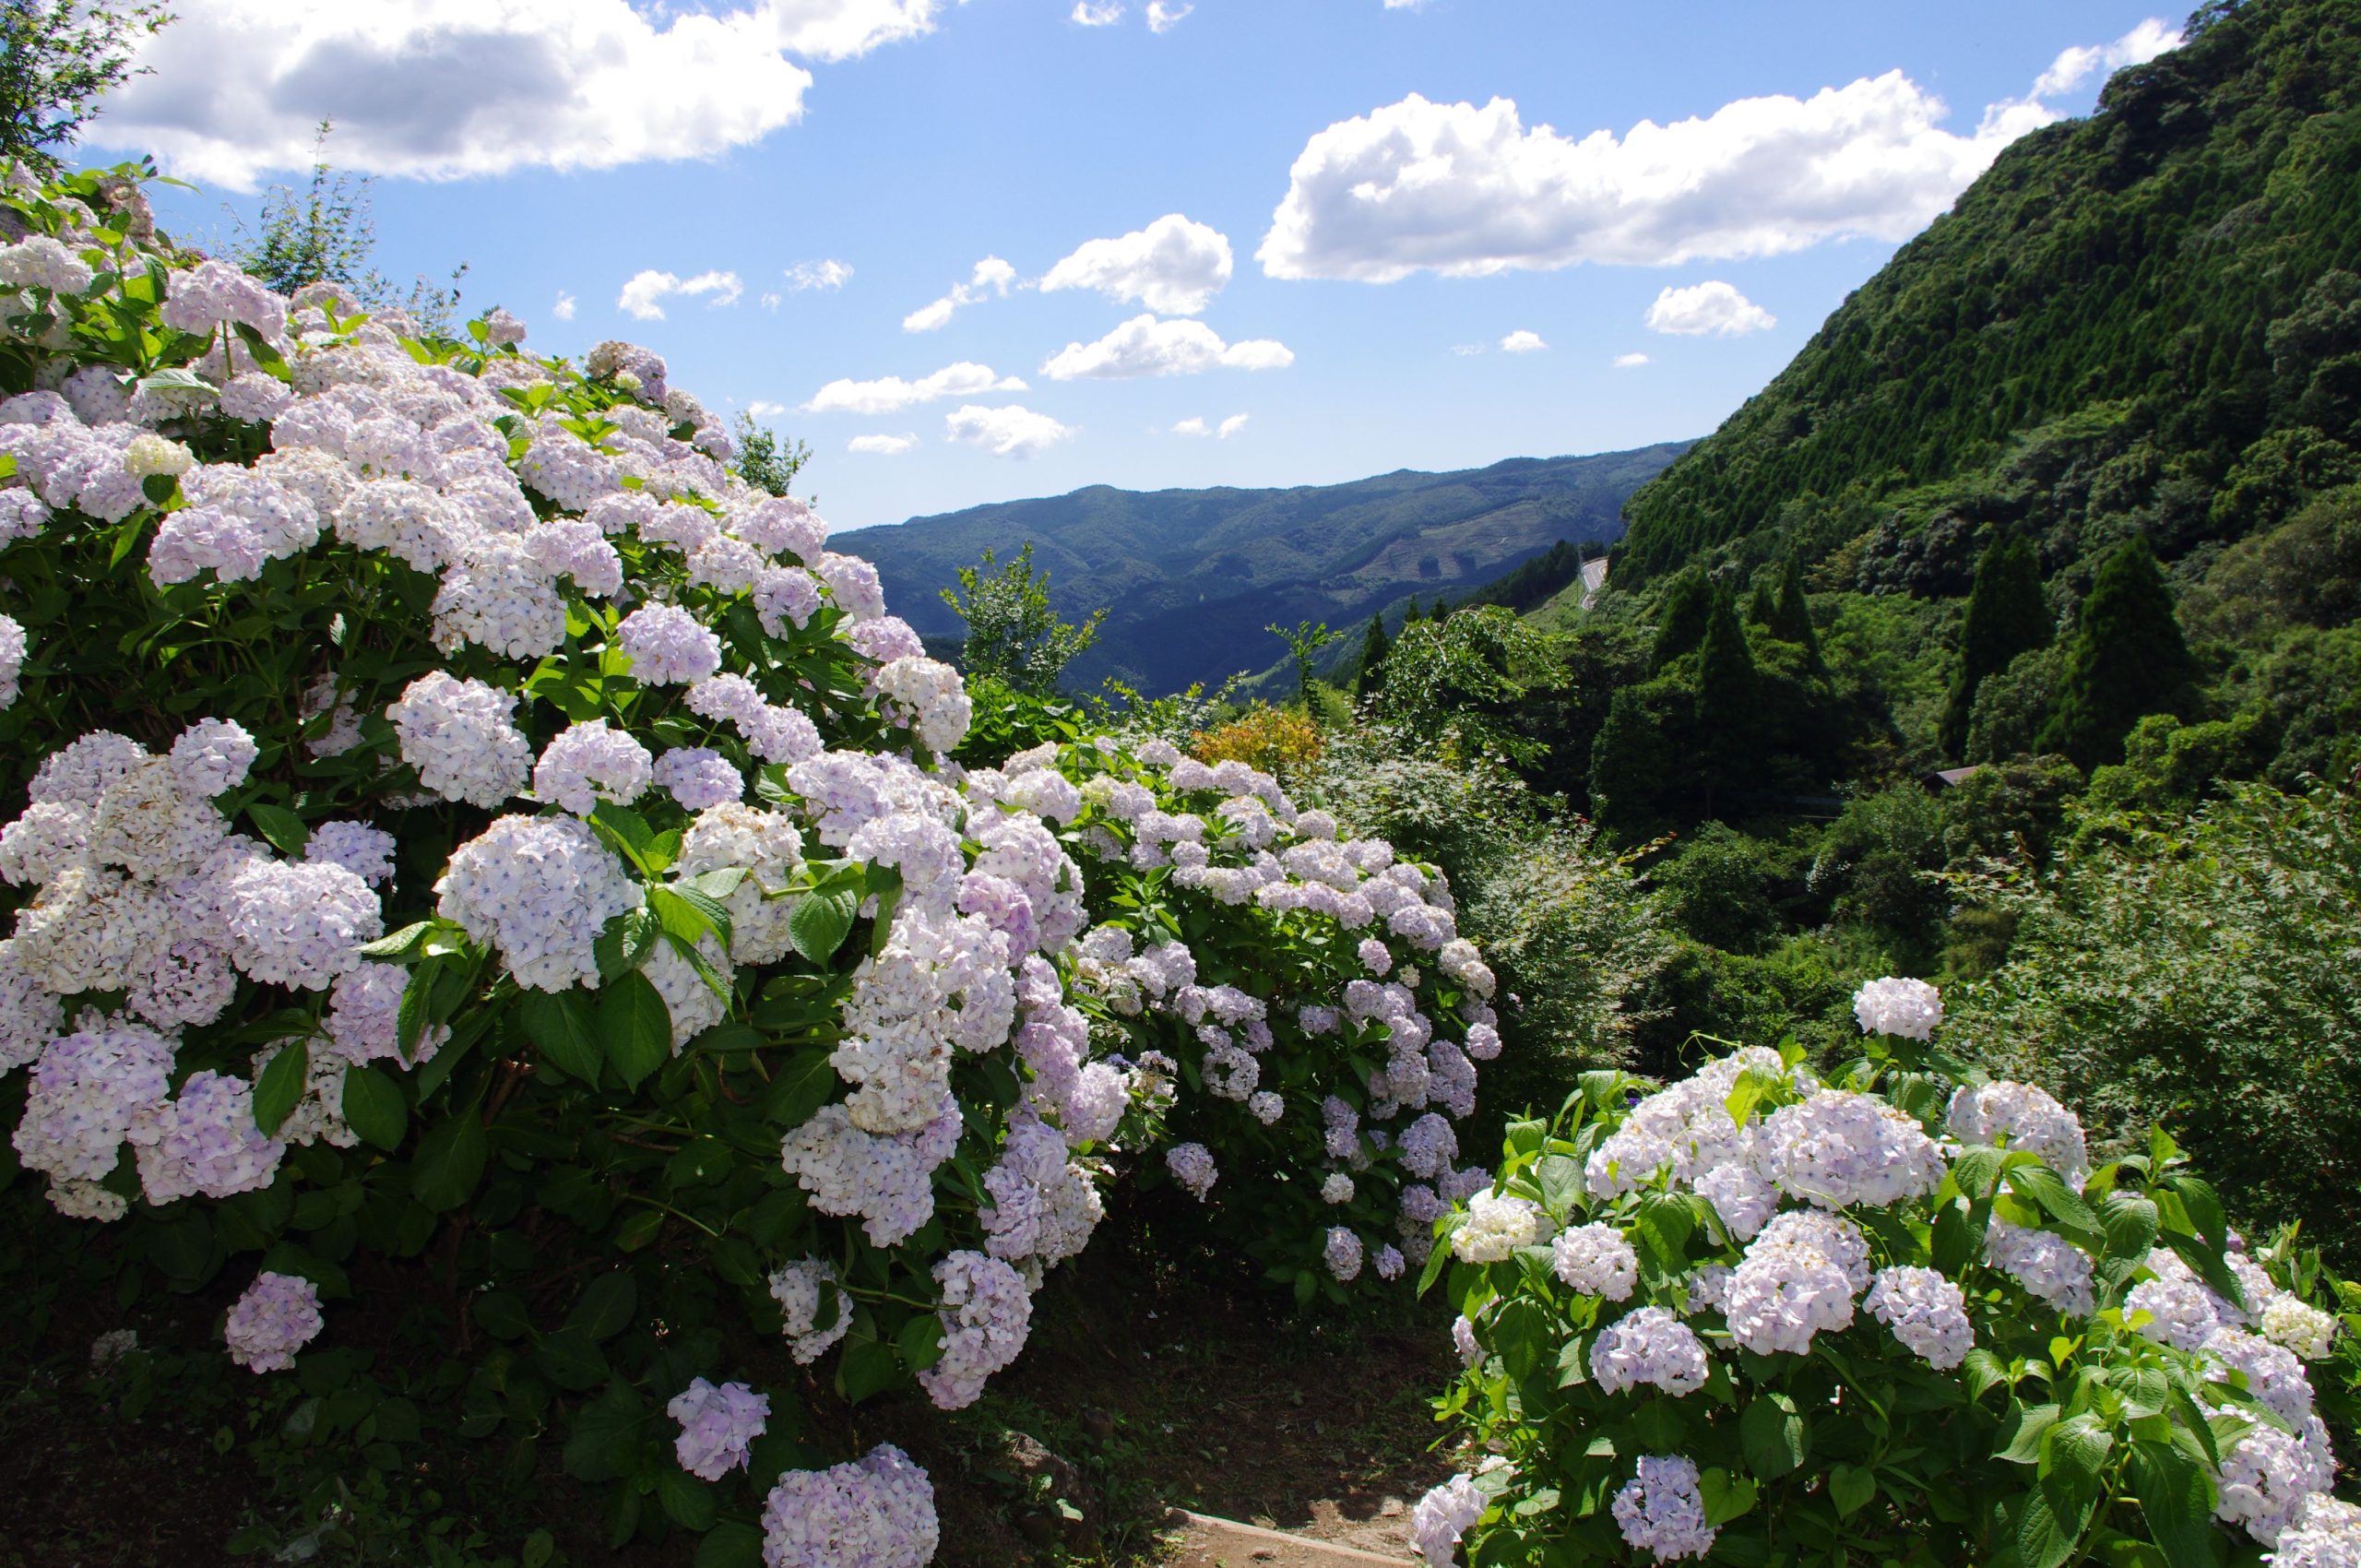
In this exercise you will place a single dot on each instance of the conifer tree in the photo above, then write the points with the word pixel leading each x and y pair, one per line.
pixel 2126 659
pixel 1681 619
pixel 1762 607
pixel 1726 695
pixel 1412 614
pixel 1791 620
pixel 2006 616
pixel 1370 676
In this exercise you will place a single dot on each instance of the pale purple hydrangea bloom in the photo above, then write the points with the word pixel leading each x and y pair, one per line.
pixel 1926 1313
pixel 2273 1372
pixel 2051 1268
pixel 2019 1116
pixel 587 763
pixel 298 923
pixel 698 777
pixel 1661 1511
pixel 718 1425
pixel 1650 1346
pixel 1784 1294
pixel 541 890
pixel 1192 1166
pixel 877 1513
pixel 806 1291
pixel 2266 1479
pixel 203 1142
pixel 12 657
pixel 1838 1149
pixel 666 645
pixel 279 1316
pixel 1388 1262
pixel 1441 1516
pixel 459 736
pixel 1342 1252
pixel 367 852
pixel 987 1312
pixel 212 756
pixel 888 1181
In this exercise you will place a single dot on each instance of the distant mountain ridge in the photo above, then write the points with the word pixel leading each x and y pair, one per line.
pixel 1191 577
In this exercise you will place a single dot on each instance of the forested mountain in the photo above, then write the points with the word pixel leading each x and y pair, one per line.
pixel 1191 577
pixel 2145 322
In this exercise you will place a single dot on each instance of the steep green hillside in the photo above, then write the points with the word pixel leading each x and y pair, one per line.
pixel 2144 322
pixel 1192 577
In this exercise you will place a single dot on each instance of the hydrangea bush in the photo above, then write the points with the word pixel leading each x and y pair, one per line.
pixel 1755 1317
pixel 1299 1003
pixel 458 825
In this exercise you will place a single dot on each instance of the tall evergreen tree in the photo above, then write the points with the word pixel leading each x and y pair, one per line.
pixel 1412 614
pixel 2006 616
pixel 1791 620
pixel 2126 660
pixel 1762 607
pixel 1680 618
pixel 1726 695
pixel 1370 676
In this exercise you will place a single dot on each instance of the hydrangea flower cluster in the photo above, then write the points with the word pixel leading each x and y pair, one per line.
pixel 877 1512
pixel 717 1426
pixel 1385 979
pixel 1811 1251
pixel 279 1316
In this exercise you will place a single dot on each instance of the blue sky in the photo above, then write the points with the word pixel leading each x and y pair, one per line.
pixel 1388 225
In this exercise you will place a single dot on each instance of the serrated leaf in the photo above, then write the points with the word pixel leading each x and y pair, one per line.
pixel 2177 1499
pixel 2046 1187
pixel 730 1544
pixel 564 1026
pixel 2024 1446
pixel 866 1368
pixel 604 1308
pixel 921 1342
pixel 282 828
pixel 687 1501
pixel 571 1358
pixel 1775 1435
pixel 401 943
pixel 282 1084
pixel 635 1028
pixel 818 923
pixel 2129 1223
pixel 374 1108
pixel 449 1162
pixel 625 942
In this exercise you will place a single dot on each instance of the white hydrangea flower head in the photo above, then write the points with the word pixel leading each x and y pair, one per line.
pixel 1497 1224
pixel 1909 1008
pixel 2180 1310
pixel 1595 1260
pixel 1661 1510
pixel 1192 1166
pixel 459 736
pixel 2291 1321
pixel 1839 1241
pixel 2271 1372
pixel 587 763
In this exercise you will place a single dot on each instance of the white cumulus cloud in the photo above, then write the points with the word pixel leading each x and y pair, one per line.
pixel 1105 14
pixel 1522 343
pixel 1193 425
pixel 644 295
pixel 1011 431
pixel 446 89
pixel 1196 426
pixel 2074 66
pixel 1405 4
pixel 1162 17
pixel 1711 307
pixel 763 409
pixel 1629 362
pixel 1464 192
pixel 1231 426
pixel 991 276
pixel 1173 265
pixel 1146 346
pixel 564 308
pixel 887 393
pixel 882 446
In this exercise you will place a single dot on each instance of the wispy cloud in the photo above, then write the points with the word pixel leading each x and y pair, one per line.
pixel 887 393
pixel 643 296
pixel 990 278
pixel 1146 346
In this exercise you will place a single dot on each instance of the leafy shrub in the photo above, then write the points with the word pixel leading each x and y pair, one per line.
pixel 1753 1318
pixel 1272 740
pixel 1564 922
pixel 2199 971
pixel 428 634
pixel 1305 1001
